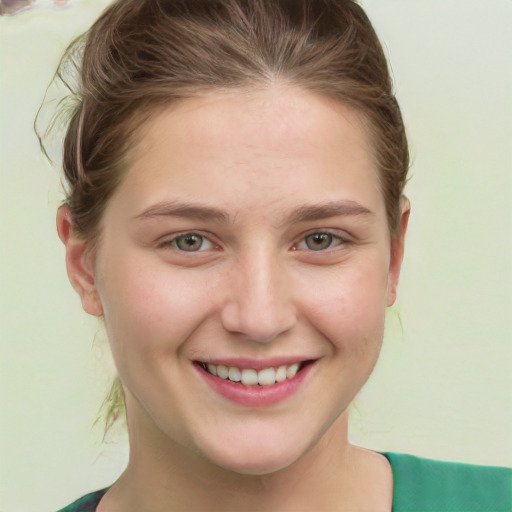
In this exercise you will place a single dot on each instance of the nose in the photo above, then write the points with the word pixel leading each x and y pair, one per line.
pixel 260 305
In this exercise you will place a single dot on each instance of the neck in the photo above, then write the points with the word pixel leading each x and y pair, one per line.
pixel 165 476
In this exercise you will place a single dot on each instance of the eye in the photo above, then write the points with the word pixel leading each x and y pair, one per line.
pixel 319 242
pixel 189 242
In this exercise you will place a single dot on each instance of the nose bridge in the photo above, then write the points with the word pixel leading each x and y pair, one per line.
pixel 261 305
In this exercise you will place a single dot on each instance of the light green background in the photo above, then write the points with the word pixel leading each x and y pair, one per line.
pixel 443 387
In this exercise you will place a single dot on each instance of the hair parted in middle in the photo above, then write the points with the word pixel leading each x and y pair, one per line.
pixel 142 55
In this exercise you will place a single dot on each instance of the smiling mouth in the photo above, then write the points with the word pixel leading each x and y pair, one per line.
pixel 251 377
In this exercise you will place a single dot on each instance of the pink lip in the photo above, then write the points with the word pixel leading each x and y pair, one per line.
pixel 255 396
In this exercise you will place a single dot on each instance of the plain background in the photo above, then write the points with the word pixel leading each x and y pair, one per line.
pixel 443 386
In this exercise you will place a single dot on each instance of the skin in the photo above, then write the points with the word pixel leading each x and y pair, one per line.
pixel 255 290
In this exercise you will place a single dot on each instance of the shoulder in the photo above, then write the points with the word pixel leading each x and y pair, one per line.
pixel 425 485
pixel 87 503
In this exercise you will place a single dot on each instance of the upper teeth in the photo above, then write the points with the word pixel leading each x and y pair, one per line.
pixel 250 377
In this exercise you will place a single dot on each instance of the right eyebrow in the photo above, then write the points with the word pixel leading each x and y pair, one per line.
pixel 179 209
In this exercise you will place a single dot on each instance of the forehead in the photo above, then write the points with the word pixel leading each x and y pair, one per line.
pixel 276 118
pixel 278 145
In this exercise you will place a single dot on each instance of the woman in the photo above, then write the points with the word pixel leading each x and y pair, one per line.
pixel 235 213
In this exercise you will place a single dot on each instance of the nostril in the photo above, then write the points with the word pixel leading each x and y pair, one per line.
pixel 259 324
pixel 259 303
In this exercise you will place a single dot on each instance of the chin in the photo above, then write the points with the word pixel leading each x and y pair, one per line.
pixel 259 454
pixel 262 464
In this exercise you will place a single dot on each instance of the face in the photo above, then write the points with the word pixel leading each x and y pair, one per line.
pixel 247 242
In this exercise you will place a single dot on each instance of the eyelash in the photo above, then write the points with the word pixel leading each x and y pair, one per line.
pixel 334 240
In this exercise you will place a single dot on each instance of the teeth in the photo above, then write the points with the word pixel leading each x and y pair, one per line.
pixel 292 370
pixel 234 374
pixel 222 371
pixel 250 377
pixel 267 377
pixel 281 374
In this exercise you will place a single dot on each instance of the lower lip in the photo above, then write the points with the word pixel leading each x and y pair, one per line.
pixel 255 396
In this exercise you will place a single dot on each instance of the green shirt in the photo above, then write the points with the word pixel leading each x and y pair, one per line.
pixel 420 485
pixel 424 485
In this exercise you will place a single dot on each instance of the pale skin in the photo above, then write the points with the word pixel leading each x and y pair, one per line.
pixel 285 252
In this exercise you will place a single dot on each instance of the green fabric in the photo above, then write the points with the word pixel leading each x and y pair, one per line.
pixel 420 485
pixel 87 503
pixel 424 485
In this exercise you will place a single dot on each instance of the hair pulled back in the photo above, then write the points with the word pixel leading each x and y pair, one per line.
pixel 142 55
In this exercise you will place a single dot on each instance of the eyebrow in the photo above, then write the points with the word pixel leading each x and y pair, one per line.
pixel 304 213
pixel 326 210
pixel 189 210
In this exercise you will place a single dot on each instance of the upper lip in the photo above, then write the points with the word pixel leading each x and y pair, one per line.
pixel 256 364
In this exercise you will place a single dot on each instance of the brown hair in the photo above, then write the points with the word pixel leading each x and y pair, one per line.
pixel 141 55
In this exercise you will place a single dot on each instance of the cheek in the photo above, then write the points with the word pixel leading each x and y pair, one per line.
pixel 350 308
pixel 151 307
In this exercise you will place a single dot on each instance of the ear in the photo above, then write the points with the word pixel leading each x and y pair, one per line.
pixel 397 252
pixel 79 263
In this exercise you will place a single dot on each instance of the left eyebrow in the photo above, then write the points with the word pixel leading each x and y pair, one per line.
pixel 326 210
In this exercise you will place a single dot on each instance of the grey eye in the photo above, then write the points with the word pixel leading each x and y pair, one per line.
pixel 318 241
pixel 189 242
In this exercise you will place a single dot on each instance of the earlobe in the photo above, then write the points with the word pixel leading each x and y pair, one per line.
pixel 397 252
pixel 79 263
